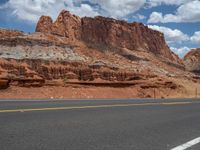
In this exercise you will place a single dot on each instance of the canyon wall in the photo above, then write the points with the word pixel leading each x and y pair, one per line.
pixel 108 34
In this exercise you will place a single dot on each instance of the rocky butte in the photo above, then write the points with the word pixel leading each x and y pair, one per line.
pixel 103 54
pixel 106 33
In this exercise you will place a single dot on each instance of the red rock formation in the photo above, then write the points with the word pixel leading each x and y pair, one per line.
pixel 5 33
pixel 44 24
pixel 132 46
pixel 35 70
pixel 107 33
pixel 192 60
pixel 66 25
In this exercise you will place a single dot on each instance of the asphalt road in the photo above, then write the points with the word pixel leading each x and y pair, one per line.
pixel 99 124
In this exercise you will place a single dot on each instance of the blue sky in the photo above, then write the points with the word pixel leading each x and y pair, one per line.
pixel 179 20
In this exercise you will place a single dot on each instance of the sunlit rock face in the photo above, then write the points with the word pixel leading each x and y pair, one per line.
pixel 106 33
pixel 86 49
pixel 66 25
pixel 192 60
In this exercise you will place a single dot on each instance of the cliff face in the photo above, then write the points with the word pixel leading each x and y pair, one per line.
pixel 85 49
pixel 49 70
pixel 66 25
pixel 118 34
pixel 107 33
pixel 44 24
pixel 192 60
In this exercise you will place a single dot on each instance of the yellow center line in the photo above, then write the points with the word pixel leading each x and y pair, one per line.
pixel 97 106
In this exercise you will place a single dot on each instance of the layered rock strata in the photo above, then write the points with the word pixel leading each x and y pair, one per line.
pixel 108 34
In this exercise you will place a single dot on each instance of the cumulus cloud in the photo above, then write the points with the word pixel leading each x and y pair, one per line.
pixel 153 3
pixel 119 8
pixel 171 36
pixel 182 51
pixel 155 17
pixel 31 10
pixel 187 12
pixel 138 17
pixel 196 37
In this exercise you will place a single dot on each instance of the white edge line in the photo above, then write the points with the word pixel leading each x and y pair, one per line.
pixel 188 144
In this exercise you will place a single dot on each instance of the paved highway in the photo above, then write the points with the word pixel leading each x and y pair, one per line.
pixel 100 124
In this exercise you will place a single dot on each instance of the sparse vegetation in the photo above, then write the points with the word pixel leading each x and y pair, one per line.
pixel 65 79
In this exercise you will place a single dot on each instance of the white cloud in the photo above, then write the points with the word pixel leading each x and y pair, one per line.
pixel 31 10
pixel 155 17
pixel 182 51
pixel 187 12
pixel 153 3
pixel 138 17
pixel 119 8
pixel 171 36
pixel 196 37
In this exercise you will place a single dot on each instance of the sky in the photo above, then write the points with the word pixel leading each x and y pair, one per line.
pixel 179 20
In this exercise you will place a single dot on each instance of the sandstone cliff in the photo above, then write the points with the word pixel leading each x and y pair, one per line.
pixel 44 24
pixel 192 60
pixel 88 51
pixel 66 25
pixel 108 34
